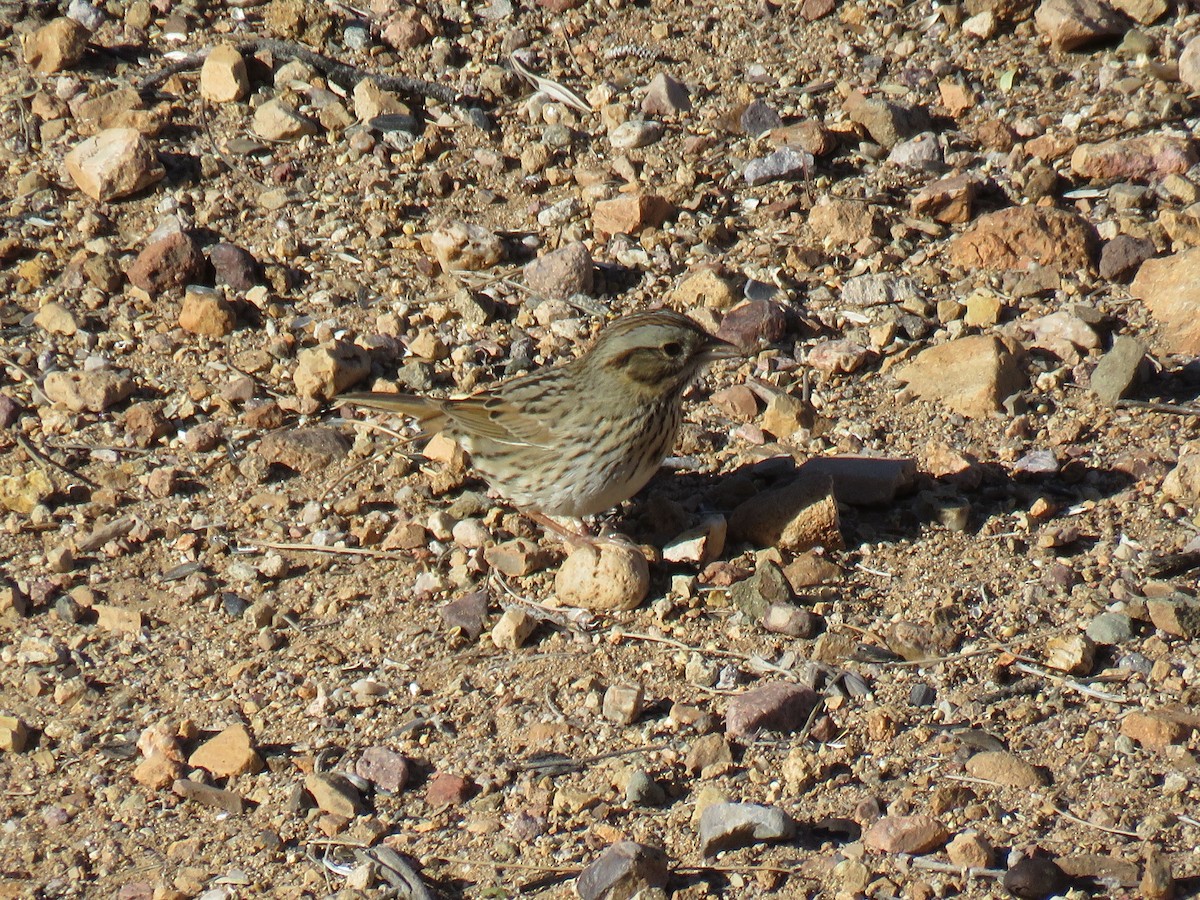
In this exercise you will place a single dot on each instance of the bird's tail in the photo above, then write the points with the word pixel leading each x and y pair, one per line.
pixel 419 408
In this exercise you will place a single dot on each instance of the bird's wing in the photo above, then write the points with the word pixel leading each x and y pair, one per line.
pixel 497 419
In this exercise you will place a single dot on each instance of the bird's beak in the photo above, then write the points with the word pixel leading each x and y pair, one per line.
pixel 715 349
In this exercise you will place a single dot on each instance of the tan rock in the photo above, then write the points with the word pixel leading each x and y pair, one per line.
pixel 334 794
pixel 1153 731
pixel 971 850
pixel 94 391
pixel 461 245
pixel 118 618
pixel 277 121
pixel 983 309
pixel 700 544
pixel 229 753
pixel 223 77
pixel 13 734
pixel 157 772
pixel 513 629
pixel 1073 653
pixel 1189 64
pixel 1144 12
pixel 56 318
pixel 56 46
pixel 623 703
pixel 950 200
pixel 1170 288
pixel 605 575
pixel 1016 237
pixel 799 516
pixel 115 163
pixel 370 100
pixel 205 311
pixel 22 491
pixel 971 376
pixel 324 372
pixel 844 223
pixel 1004 768
pixel 705 289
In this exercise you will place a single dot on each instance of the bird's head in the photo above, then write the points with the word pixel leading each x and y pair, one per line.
pixel 656 352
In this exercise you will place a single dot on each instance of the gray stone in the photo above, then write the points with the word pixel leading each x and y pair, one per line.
pixel 1110 628
pixel 622 871
pixel 758 118
pixel 1118 369
pixel 784 163
pixel 726 826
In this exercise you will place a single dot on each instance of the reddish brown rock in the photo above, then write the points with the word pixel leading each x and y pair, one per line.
pixel 753 323
pixel 1144 157
pixel 172 261
pixel 949 200
pixel 774 707
pixel 449 790
pixel 1016 237
pixel 631 213
pixel 1153 731
pixel 304 450
pixel 1071 24
pixel 906 834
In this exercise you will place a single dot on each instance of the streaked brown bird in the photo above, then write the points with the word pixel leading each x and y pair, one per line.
pixel 578 438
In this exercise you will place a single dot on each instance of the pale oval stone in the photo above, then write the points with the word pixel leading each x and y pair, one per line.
pixel 603 576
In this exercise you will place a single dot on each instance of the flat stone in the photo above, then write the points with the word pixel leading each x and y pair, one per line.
pixel 209 796
pixel 785 164
pixel 306 450
pixel 1148 157
pixel 922 152
pixel 1121 257
pixel 778 707
pixel 914 835
pixel 727 826
pixel 1144 12
pixel 971 376
pixel 276 120
pixel 447 789
pixel 624 870
pixel 1170 288
pixel 467 613
pixel 844 223
pixel 229 753
pixel 709 753
pixel 888 123
pixel 700 544
pixel 518 557
pixel 631 214
pixel 864 480
pixel 634 134
pixel 234 266
pixel 1110 628
pixel 1153 731
pixel 756 594
pixel 1178 615
pixel 1005 768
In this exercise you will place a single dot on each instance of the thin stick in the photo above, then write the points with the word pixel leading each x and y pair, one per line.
pixel 314 548
pixel 524 867
pixel 1174 408
pixel 726 654
pixel 933 865
pixel 954 657
pixel 1078 821
pixel 33 381
pixel 1071 683
pixel 45 461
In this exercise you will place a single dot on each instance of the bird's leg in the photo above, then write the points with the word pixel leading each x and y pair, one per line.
pixel 580 536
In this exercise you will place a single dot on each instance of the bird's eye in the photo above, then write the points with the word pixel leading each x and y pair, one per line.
pixel 672 349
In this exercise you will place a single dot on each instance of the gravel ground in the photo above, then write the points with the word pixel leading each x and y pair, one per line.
pixel 256 646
